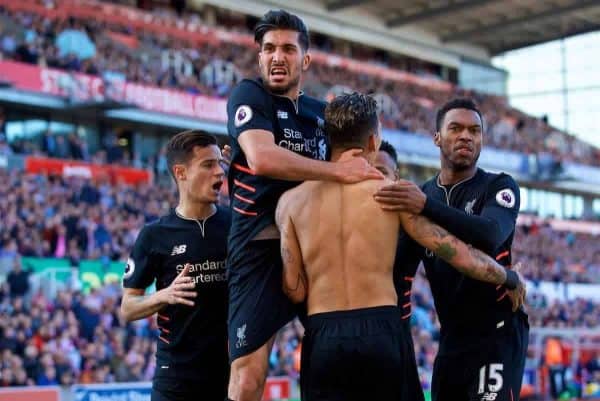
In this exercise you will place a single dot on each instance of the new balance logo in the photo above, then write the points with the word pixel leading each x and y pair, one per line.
pixel 178 250
pixel 282 114
pixel 489 396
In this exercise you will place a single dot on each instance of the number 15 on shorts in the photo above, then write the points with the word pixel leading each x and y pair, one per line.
pixel 492 376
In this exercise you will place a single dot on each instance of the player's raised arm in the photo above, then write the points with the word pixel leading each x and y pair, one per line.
pixel 250 122
pixel 266 158
pixel 486 231
pixel 466 259
pixel 295 283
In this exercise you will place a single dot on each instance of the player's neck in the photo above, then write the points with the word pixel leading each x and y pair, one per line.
pixel 448 176
pixel 292 93
pixel 195 210
pixel 336 154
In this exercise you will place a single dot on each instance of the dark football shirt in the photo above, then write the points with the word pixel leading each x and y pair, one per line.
pixel 296 125
pixel 482 212
pixel 193 340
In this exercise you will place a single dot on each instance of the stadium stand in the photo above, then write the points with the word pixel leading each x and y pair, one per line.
pixel 574 257
pixel 109 47
pixel 76 218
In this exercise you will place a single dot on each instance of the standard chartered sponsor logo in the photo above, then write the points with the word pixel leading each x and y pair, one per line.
pixel 203 266
pixel 208 271
pixel 295 141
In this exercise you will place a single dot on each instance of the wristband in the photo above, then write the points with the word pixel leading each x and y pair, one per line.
pixel 512 279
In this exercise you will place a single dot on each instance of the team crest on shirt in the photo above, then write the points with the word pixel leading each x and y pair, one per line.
pixel 243 114
pixel 506 198
pixel 469 206
pixel 129 268
pixel 241 335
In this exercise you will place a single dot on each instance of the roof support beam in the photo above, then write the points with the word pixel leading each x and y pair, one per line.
pixel 558 35
pixel 503 25
pixel 337 5
pixel 428 13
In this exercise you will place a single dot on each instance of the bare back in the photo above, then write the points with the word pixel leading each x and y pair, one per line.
pixel 347 242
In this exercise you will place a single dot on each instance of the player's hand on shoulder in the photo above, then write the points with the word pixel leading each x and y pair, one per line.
pixel 518 295
pixel 403 196
pixel 353 168
pixel 226 154
pixel 181 291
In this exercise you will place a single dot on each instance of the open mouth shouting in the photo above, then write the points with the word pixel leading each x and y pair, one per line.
pixel 278 73
pixel 216 186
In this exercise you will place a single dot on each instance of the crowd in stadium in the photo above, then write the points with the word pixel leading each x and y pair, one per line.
pixel 558 256
pixel 72 218
pixel 118 52
pixel 76 338
pixel 76 219
pixel 72 339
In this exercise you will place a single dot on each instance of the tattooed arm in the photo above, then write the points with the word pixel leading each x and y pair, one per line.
pixel 295 283
pixel 464 258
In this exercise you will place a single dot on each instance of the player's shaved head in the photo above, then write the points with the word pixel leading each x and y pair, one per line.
pixel 180 148
pixel 350 119
pixel 460 103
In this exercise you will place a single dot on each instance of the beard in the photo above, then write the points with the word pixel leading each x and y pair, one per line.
pixel 282 90
pixel 460 164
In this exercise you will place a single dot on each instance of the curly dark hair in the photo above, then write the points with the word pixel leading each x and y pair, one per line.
pixel 350 119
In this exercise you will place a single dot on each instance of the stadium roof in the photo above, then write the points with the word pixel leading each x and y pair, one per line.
pixel 496 25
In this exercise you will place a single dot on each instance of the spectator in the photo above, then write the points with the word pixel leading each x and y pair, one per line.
pixel 18 280
pixel 90 46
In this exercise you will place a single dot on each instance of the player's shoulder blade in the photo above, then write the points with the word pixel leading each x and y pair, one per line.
pixel 500 180
pixel 153 226
pixel 314 103
pixel 248 87
pixel 505 178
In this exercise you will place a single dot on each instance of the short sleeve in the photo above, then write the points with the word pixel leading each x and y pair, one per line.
pixel 248 108
pixel 140 271
pixel 503 200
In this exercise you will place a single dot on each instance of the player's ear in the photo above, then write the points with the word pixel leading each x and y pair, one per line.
pixel 179 172
pixel 436 139
pixel 373 143
pixel 306 59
